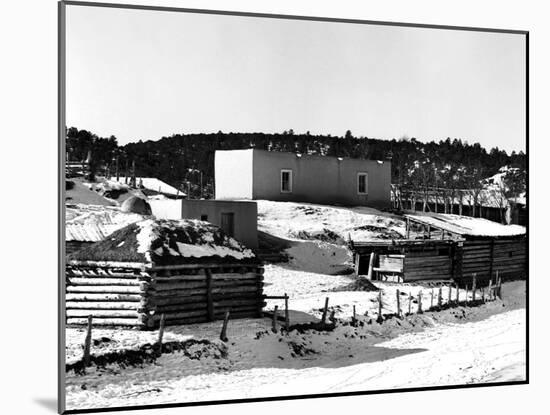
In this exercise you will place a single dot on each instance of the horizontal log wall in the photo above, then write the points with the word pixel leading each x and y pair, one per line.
pixel 485 257
pixel 133 298
pixel 427 265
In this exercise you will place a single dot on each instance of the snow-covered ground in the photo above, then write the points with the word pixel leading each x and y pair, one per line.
pixel 296 221
pixel 372 357
pixel 453 347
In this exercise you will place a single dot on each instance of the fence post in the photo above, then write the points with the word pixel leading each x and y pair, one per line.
pixel 287 318
pixel 440 297
pixel 161 331
pixel 432 298
pixel 420 302
pixel 467 294
pixel 274 322
pixel 482 293
pixel 474 286
pixel 324 317
pixel 223 334
pixel 450 299
pixel 371 265
pixel 457 294
pixel 410 300
pixel 397 293
pixel 353 318
pixel 88 343
pixel 380 318
pixel 490 290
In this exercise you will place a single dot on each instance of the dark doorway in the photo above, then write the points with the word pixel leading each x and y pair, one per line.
pixel 228 223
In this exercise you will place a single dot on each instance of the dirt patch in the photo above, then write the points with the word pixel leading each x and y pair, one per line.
pixel 324 235
pixel 382 232
pixel 148 353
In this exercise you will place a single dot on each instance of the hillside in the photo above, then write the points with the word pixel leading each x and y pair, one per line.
pixel 183 158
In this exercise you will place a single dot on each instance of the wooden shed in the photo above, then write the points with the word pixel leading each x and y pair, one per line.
pixel 188 270
pixel 483 247
pixel 446 247
pixel 404 260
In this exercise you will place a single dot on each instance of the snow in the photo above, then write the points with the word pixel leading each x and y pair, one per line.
pixel 151 183
pixel 91 223
pixel 150 231
pixel 422 351
pixel 466 225
pixel 288 219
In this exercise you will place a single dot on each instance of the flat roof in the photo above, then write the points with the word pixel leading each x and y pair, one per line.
pixel 466 225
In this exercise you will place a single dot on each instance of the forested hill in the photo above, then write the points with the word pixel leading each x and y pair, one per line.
pixel 181 157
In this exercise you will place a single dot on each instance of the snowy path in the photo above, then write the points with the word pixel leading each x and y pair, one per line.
pixel 451 354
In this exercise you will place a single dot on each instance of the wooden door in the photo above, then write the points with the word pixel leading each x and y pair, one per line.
pixel 228 223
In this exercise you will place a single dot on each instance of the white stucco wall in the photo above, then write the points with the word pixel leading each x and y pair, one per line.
pixel 233 174
pixel 166 209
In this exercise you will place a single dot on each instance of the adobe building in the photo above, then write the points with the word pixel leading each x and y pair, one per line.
pixel 238 219
pixel 271 175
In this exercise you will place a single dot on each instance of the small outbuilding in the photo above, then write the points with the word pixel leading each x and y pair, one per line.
pixel 189 271
pixel 446 247
pixel 238 219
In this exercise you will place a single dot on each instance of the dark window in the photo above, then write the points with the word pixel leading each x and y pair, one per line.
pixel 362 185
pixel 204 218
pixel 286 181
pixel 228 223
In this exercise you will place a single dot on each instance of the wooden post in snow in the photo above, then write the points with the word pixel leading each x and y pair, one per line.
pixel 410 300
pixel 397 293
pixel 450 299
pixel 420 302
pixel 325 310
pixel 353 318
pixel 88 343
pixel 457 294
pixel 161 331
pixel 371 265
pixel 490 290
pixel 287 317
pixel 432 298
pixel 467 293
pixel 223 334
pixel 274 322
pixel 474 284
pixel 356 262
pixel 440 297
pixel 380 318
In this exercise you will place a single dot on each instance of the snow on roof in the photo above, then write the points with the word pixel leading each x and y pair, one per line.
pixel 166 242
pixel 152 183
pixel 90 223
pixel 466 225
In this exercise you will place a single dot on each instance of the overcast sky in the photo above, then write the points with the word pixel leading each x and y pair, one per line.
pixel 146 74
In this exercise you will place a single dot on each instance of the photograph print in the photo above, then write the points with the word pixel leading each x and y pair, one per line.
pixel 267 207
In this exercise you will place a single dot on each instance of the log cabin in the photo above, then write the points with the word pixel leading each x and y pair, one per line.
pixel 440 247
pixel 187 270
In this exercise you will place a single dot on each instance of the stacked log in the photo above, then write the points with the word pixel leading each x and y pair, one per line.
pixel 510 259
pixel 421 266
pixel 485 257
pixel 186 294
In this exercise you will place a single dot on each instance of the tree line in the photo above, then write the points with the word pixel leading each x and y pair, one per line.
pixel 186 161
